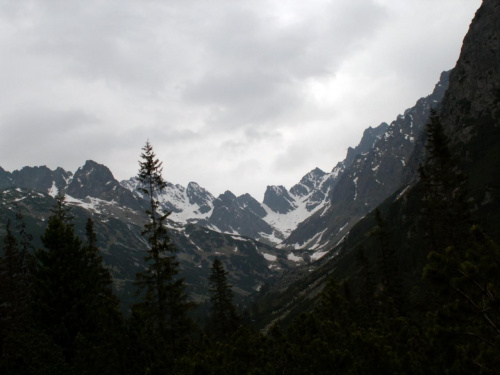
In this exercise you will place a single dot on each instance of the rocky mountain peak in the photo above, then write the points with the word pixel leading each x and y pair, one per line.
pixel 227 196
pixel 95 180
pixel 41 179
pixel 278 199
pixel 199 196
pixel 246 201
pixel 475 81
pixel 5 179
pixel 92 180
pixel 230 214
pixel 370 137
pixel 91 166
pixel 338 169
pixel 308 183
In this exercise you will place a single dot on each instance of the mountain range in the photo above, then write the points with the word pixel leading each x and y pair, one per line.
pixel 389 263
pixel 470 116
pixel 257 241
pixel 293 232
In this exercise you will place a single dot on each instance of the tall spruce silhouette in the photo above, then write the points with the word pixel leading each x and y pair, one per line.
pixel 161 315
pixel 73 297
pixel 223 318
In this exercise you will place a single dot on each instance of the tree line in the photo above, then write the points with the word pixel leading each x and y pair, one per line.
pixel 59 314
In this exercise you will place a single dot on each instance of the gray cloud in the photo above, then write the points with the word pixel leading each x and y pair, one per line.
pixel 42 135
pixel 257 66
pixel 233 95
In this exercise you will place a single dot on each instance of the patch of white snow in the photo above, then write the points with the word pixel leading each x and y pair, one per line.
pixel 317 255
pixel 294 258
pixel 270 257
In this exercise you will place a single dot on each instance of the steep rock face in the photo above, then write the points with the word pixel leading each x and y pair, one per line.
pixel 173 199
pixel 471 113
pixel 41 179
pixel 474 93
pixel 314 187
pixel 371 177
pixel 96 181
pixel 247 202
pixel 199 196
pixel 370 137
pixel 278 199
pixel 308 183
pixel 93 180
pixel 5 179
pixel 230 214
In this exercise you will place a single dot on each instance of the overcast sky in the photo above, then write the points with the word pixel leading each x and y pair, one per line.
pixel 235 95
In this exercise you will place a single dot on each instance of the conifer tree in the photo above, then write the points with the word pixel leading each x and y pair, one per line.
pixel 9 269
pixel 223 319
pixel 15 278
pixel 368 287
pixel 57 282
pixel 9 265
pixel 24 348
pixel 98 276
pixel 388 263
pixel 444 186
pixel 99 350
pixel 74 301
pixel 163 310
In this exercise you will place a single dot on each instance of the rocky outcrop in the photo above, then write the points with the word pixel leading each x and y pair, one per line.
pixel 41 179
pixel 473 98
pixel 230 214
pixel 199 196
pixel 278 199
pixel 368 140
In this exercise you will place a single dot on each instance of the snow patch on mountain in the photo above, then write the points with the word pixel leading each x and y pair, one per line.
pixel 53 190
pixel 315 241
pixel 270 257
pixel 294 258
pixel 287 222
pixel 318 255
pixel 186 205
pixel 310 195
pixel 90 203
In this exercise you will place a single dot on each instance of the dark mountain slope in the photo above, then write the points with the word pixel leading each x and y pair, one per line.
pixel 471 113
pixel 470 117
